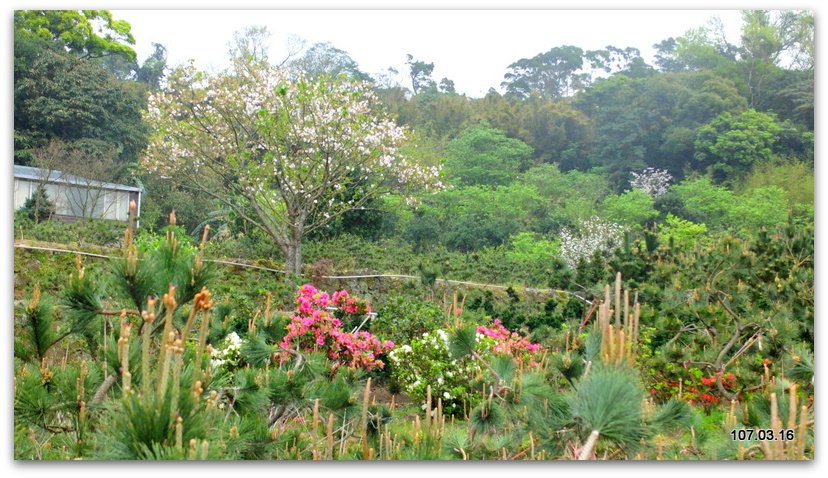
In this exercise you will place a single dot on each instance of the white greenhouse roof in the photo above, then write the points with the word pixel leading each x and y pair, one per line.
pixel 38 174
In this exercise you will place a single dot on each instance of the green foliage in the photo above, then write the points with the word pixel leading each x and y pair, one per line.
pixel 681 232
pixel 256 351
pixel 82 299
pixel 795 177
pixel 142 427
pixel 462 342
pixel 485 156
pixel 539 315
pixel 85 33
pixel 165 260
pixel 528 400
pixel 570 365
pixel 64 97
pixel 41 327
pixel 88 232
pixel 730 145
pixel 632 208
pixel 800 364
pixel 651 121
pixel 427 361
pixel 552 74
pixel 765 207
pixel 420 73
pixel 487 418
pixel 672 414
pixel 160 198
pixel 556 131
pixel 402 319
pixel 718 207
pixel 472 217
pixel 325 59
pixel 710 204
pixel 527 249
pixel 568 197
pixel 38 207
pixel 725 277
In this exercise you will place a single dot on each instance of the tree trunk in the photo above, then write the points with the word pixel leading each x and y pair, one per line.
pixel 589 446
pixel 293 256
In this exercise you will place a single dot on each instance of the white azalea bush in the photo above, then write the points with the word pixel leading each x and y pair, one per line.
pixel 227 354
pixel 427 361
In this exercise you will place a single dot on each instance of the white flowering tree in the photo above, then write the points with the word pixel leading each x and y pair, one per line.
pixel 652 181
pixel 594 234
pixel 276 147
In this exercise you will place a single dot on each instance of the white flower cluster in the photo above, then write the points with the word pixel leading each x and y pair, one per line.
pixel 652 181
pixel 594 234
pixel 427 361
pixel 229 351
pixel 307 128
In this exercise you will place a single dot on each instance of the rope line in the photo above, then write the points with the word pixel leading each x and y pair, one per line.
pixel 360 276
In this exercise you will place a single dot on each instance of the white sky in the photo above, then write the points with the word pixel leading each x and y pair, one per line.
pixel 473 48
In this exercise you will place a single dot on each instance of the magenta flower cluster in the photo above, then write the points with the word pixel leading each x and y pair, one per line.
pixel 313 328
pixel 510 343
pixel 349 304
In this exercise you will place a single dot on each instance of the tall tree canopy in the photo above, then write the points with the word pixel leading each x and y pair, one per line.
pixel 63 97
pixel 730 145
pixel 420 73
pixel 74 75
pixel 324 58
pixel 486 156
pixel 553 74
pixel 85 33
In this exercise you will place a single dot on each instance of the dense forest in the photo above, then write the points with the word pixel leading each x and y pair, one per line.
pixel 601 258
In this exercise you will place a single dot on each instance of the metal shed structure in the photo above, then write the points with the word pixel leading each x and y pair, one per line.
pixel 74 196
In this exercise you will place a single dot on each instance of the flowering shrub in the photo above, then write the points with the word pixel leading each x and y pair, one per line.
pixel 427 361
pixel 313 328
pixel 698 388
pixel 227 353
pixel 594 234
pixel 500 340
pixel 350 304
pixel 350 310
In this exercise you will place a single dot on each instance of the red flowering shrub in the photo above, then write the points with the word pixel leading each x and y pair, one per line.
pixel 350 304
pixel 313 328
pixel 698 389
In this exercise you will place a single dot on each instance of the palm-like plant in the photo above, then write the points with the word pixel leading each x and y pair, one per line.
pixel 607 405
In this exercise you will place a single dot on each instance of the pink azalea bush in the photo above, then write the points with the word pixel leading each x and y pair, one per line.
pixel 503 341
pixel 313 328
pixel 349 304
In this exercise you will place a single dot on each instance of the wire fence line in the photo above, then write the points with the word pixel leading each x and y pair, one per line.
pixel 355 276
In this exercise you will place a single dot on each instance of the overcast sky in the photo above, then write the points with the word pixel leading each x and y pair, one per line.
pixel 472 48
